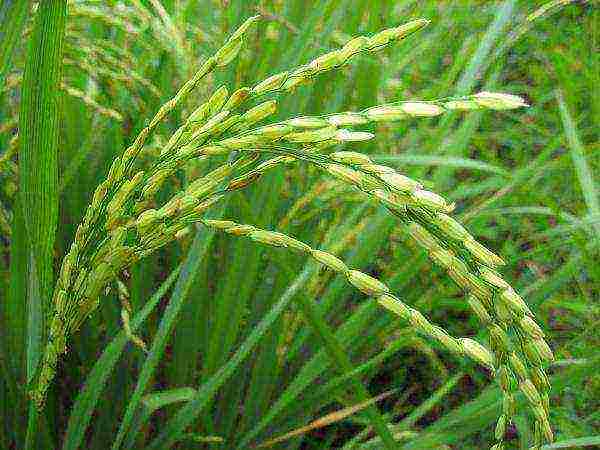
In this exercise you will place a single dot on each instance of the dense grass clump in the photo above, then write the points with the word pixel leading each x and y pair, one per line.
pixel 330 134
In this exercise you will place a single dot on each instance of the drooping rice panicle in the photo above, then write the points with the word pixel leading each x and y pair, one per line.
pixel 110 16
pixel 92 57
pixel 70 294
pixel 127 20
pixel 492 299
pixel 17 79
pixel 344 156
pixel 482 299
pixel 305 73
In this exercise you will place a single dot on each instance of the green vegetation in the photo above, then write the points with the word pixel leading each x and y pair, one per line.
pixel 274 230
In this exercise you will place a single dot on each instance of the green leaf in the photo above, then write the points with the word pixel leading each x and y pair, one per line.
pixel 38 169
pixel 153 402
pixel 443 161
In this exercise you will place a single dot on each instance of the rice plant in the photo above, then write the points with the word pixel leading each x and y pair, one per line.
pixel 165 194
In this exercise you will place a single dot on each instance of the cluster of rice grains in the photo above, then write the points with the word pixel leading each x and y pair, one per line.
pixel 121 226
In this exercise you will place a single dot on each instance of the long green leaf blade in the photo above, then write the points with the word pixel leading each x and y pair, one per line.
pixel 38 182
pixel 584 173
pixel 39 128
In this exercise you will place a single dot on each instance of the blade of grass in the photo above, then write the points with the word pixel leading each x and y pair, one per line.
pixel 326 420
pixel 152 403
pixel 267 369
pixel 311 370
pixel 366 369
pixel 86 401
pixel 330 390
pixel 13 311
pixel 345 334
pixel 243 272
pixel 156 400
pixel 38 180
pixel 453 142
pixel 473 416
pixel 586 180
pixel 11 429
pixel 480 60
pixel 378 228
pixel 439 160
pixel 409 421
pixel 427 405
pixel 264 368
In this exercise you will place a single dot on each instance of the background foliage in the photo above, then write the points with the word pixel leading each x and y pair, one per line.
pixel 243 353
